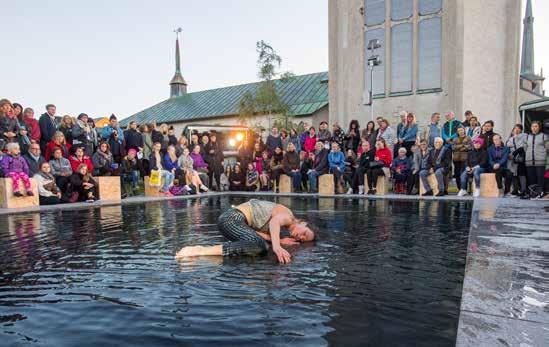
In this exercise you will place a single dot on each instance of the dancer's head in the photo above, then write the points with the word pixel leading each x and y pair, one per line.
pixel 303 231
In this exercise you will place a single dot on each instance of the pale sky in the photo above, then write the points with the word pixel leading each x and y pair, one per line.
pixel 102 57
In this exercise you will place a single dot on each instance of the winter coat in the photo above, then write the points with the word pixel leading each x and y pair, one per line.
pixel 320 163
pixel 33 163
pixel 290 161
pixel 14 164
pixel 440 158
pixel 336 160
pixel 60 166
pixel 52 145
pixel 536 149
pixel 133 138
pixel 310 143
pixel 477 157
pixel 75 163
pixel 498 155
pixel 460 147
pixel 514 143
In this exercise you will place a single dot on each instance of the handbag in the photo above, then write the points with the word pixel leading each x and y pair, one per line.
pixel 376 164
pixel 519 155
pixel 155 178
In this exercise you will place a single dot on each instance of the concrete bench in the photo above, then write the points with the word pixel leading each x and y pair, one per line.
pixel 488 186
pixel 285 185
pixel 153 191
pixel 433 183
pixel 382 186
pixel 8 200
pixel 326 184
pixel 109 188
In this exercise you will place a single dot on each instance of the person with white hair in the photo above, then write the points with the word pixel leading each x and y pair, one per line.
pixel 449 129
pixel 439 164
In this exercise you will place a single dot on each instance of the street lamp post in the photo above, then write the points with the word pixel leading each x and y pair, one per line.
pixel 373 61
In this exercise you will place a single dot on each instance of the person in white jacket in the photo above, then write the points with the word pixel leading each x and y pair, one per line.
pixel 48 192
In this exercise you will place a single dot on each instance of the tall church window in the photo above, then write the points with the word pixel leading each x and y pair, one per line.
pixel 401 9
pixel 430 53
pixel 401 58
pixel 379 71
pixel 429 6
pixel 374 12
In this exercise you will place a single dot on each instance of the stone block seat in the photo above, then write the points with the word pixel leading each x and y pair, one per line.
pixel 285 185
pixel 488 186
pixel 382 186
pixel 8 200
pixel 109 188
pixel 326 184
pixel 433 183
pixel 153 191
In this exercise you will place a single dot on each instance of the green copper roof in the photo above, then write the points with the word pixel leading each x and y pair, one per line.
pixel 304 94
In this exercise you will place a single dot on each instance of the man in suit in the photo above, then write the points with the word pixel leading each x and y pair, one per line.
pixel 48 126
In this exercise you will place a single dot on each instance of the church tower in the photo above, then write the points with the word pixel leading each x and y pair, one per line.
pixel 529 79
pixel 178 86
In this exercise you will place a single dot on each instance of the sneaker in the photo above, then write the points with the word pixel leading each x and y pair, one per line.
pixel 29 193
pixel 90 200
pixel 462 192
pixel 17 194
pixel 361 190
pixel 441 193
pixel 350 191
pixel 204 188
pixel 476 194
pixel 428 193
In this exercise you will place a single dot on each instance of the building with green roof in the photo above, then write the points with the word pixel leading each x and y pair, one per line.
pixel 306 96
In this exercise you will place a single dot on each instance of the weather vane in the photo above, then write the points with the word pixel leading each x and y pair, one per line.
pixel 178 31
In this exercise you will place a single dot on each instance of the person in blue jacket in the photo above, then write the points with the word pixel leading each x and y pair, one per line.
pixel 498 154
pixel 449 129
pixel 113 126
pixel 336 163
pixel 408 134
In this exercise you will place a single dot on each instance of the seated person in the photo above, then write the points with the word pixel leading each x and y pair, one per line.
pixel 82 186
pixel 275 166
pixel 350 167
pixel 191 175
pixel 103 162
pixel 156 164
pixel 34 159
pixel 48 191
pixel 420 163
pixel 290 164
pixel 131 168
pixel 264 173
pixel 305 164
pixel 16 168
pixel 439 164
pixel 336 164
pixel 200 165
pixel 78 157
pixel 498 154
pixel 401 169
pixel 60 169
pixel 366 156
pixel 252 178
pixel 476 164
pixel 382 160
pixel 236 179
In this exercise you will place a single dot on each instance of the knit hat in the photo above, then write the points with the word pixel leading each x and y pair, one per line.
pixel 82 115
pixel 479 140
pixel 132 151
pixel 112 117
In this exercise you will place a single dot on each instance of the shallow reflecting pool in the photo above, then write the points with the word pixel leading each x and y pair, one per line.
pixel 381 273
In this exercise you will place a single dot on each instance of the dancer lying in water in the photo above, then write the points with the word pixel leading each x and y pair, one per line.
pixel 250 225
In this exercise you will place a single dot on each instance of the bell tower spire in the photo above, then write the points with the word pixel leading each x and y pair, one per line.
pixel 178 86
pixel 527 61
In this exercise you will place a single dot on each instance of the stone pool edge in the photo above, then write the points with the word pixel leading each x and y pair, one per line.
pixel 507 243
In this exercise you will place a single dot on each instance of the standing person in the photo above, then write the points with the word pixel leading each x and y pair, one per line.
pixel 386 133
pixel 205 140
pixel 408 134
pixel 461 146
pixel 369 133
pixel 82 134
pixel 420 163
pixel 155 162
pixel 473 130
pixel 48 126
pixel 172 139
pixel 216 158
pixel 440 162
pixel 536 147
pixel 34 159
pixel 16 168
pixel 133 138
pixel 477 164
pixel 236 179
pixel 57 141
pixel 303 136
pixel 48 191
pixel 352 139
pixel 401 168
pixel 117 147
pixel 320 166
pixel 182 143
pixel 432 130
pixel 32 125
pixel 399 129
pixel 113 126
pixel 366 157
pixel 93 134
pixel 294 138
pixel 324 134
pixel 336 164
pixel 338 136
pixel 284 138
pixel 18 111
pixel 487 133
pixel 310 141
pixel 498 155
pixel 276 168
pixel 157 136
pixel 290 164
pixel 66 128
pixel 380 166
pixel 517 157
pixel 467 119
pixel 147 148
pixel 449 129
pixel 273 140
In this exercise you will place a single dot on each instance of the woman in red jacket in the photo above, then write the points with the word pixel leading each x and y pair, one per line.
pixel 78 157
pixel 310 141
pixel 58 141
pixel 32 125
pixel 382 159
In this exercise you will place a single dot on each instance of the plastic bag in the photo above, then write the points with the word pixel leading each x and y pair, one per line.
pixel 155 178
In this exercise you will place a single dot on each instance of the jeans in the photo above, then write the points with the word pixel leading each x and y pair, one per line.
pixel 313 180
pixel 476 175
pixel 296 179
pixel 133 178
pixel 439 174
pixel 168 178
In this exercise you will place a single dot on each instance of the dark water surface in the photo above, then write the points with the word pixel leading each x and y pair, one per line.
pixel 382 273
